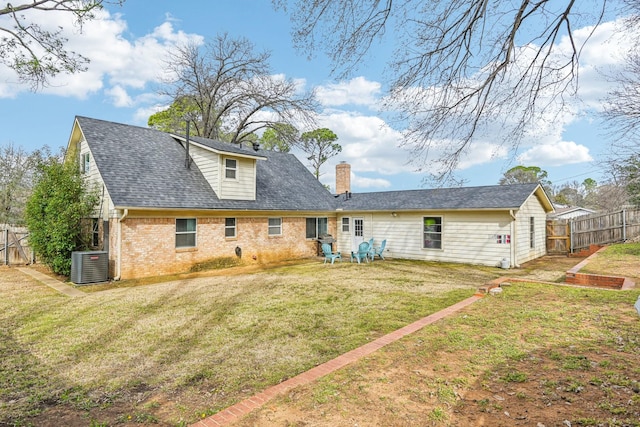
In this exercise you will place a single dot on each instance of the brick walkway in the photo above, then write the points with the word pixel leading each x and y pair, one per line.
pixel 240 409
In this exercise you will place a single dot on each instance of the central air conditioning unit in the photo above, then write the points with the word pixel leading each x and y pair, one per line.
pixel 89 267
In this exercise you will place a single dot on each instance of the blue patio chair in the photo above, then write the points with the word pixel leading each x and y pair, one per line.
pixel 329 254
pixel 379 251
pixel 362 254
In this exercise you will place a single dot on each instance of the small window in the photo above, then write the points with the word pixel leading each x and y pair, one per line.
pixel 230 227
pixel 532 232
pixel 86 162
pixel 230 168
pixel 432 232
pixel 317 227
pixel 345 225
pixel 275 226
pixel 185 233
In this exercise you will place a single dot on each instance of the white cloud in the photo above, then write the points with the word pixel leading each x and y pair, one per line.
pixel 357 91
pixel 119 96
pixel 117 64
pixel 363 182
pixel 557 154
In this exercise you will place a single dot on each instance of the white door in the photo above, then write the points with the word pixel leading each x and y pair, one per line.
pixel 357 235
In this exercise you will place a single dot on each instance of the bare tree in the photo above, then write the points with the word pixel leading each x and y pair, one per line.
pixel 458 64
pixel 234 90
pixel 17 175
pixel 622 108
pixel 37 54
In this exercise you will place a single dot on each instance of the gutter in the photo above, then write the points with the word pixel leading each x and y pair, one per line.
pixel 119 245
pixel 512 249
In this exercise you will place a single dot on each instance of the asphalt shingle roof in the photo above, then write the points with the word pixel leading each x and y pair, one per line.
pixel 145 168
pixel 461 198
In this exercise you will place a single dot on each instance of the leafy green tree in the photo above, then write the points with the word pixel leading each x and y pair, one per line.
pixel 173 119
pixel 280 137
pixel 56 208
pixel 37 54
pixel 320 145
pixel 526 174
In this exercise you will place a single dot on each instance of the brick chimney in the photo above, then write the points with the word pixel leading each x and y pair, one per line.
pixel 343 177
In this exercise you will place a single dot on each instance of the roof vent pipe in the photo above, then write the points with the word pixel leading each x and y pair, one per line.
pixel 187 160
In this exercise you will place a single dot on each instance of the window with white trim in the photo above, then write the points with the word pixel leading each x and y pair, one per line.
pixel 275 226
pixel 229 227
pixel 432 232
pixel 185 232
pixel 230 168
pixel 317 227
pixel 86 162
pixel 532 232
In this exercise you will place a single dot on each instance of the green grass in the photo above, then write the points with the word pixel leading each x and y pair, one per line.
pixel 219 337
pixel 582 365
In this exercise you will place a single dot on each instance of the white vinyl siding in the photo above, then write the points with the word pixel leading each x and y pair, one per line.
pixel 93 177
pixel 530 209
pixel 467 237
pixel 243 186
pixel 213 167
pixel 208 163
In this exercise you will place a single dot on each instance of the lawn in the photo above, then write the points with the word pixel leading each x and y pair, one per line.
pixel 172 352
pixel 167 353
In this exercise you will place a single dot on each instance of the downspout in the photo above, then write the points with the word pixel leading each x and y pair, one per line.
pixel 119 244
pixel 513 244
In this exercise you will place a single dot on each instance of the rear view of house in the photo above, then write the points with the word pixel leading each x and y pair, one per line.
pixel 169 203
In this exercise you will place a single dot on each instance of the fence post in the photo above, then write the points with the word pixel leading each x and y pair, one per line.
pixel 6 246
pixel 624 225
pixel 570 235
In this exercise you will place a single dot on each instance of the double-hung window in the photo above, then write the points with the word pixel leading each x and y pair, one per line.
pixel 432 232
pixel 317 227
pixel 229 227
pixel 230 168
pixel 275 226
pixel 185 232
pixel 345 225
pixel 532 232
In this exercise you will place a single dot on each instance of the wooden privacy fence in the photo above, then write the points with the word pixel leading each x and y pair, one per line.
pixel 570 235
pixel 14 246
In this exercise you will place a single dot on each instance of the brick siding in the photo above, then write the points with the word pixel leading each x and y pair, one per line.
pixel 148 244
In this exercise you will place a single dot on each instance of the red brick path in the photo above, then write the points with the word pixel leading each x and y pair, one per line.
pixel 240 409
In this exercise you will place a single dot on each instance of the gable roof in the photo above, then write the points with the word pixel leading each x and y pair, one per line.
pixel 145 168
pixel 493 197
pixel 571 211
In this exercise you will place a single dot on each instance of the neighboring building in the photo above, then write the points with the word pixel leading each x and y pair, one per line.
pixel 567 212
pixel 167 204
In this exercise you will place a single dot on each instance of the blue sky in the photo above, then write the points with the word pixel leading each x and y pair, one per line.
pixel 128 44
